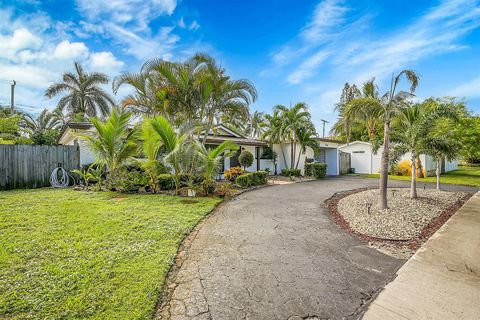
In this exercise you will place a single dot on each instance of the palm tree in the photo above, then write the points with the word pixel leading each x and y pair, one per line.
pixel 294 119
pixel 113 142
pixel 389 104
pixel 151 148
pixel 306 138
pixel 255 124
pixel 84 94
pixel 441 148
pixel 210 161
pixel 272 132
pixel 173 142
pixel 410 130
pixel 45 121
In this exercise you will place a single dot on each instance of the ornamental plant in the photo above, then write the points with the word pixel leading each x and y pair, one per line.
pixel 245 159
pixel 232 173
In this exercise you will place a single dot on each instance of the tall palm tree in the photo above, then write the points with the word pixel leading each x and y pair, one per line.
pixel 294 119
pixel 84 93
pixel 389 104
pixel 272 132
pixel 255 123
pixel 113 142
pixel 173 141
pixel 210 161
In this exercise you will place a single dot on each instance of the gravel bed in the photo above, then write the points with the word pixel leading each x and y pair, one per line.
pixel 404 219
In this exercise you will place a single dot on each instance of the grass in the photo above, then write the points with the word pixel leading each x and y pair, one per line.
pixel 67 254
pixel 469 176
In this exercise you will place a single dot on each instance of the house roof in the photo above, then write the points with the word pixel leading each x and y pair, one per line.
pixel 329 140
pixel 73 125
pixel 356 142
pixel 225 134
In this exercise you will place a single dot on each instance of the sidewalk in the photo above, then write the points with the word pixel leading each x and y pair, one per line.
pixel 442 280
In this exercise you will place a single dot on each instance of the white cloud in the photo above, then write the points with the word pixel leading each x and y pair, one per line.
pixel 469 89
pixel 328 14
pixel 105 61
pixel 21 39
pixel 306 68
pixel 139 13
pixel 194 25
pixel 67 50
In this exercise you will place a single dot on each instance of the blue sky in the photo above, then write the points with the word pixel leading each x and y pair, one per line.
pixel 291 51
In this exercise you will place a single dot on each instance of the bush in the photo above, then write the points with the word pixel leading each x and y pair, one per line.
pixel 251 179
pixel 291 172
pixel 233 173
pixel 316 169
pixel 166 181
pixel 245 159
pixel 128 181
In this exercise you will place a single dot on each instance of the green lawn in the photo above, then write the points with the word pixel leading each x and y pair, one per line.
pixel 469 176
pixel 68 254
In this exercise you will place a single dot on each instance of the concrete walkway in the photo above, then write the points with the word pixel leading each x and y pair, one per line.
pixel 442 280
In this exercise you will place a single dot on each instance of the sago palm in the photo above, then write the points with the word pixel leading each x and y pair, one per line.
pixel 84 94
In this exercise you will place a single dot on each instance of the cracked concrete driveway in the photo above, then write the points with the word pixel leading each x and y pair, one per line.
pixel 274 253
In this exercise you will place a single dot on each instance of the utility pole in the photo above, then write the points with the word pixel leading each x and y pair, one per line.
pixel 12 97
pixel 324 121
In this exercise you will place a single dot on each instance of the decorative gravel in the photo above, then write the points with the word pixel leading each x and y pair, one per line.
pixel 404 219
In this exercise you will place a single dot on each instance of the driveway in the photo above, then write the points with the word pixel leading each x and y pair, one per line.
pixel 274 253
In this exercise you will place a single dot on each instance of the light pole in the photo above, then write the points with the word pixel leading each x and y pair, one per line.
pixel 12 96
pixel 324 121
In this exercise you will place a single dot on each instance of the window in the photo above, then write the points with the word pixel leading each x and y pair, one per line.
pixel 265 153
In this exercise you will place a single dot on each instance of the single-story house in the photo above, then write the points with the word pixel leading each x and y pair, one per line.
pixel 364 160
pixel 328 154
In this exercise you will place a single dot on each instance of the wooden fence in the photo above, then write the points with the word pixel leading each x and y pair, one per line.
pixel 30 166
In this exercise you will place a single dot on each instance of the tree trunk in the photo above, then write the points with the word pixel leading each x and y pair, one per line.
pixel 382 201
pixel 420 168
pixel 292 154
pixel 437 172
pixel 413 185
pixel 298 159
pixel 283 154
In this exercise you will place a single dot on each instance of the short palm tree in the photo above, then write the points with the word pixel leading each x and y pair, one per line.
pixel 306 138
pixel 173 142
pixel 151 147
pixel 210 161
pixel 113 142
pixel 441 148
pixel 84 94
pixel 389 105
pixel 410 130
pixel 45 121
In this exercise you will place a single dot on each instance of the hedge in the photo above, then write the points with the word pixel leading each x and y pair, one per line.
pixel 251 179
pixel 316 169
pixel 291 172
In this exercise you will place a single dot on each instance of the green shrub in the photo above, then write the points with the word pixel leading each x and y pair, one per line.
pixel 245 159
pixel 128 181
pixel 291 172
pixel 166 181
pixel 251 179
pixel 316 169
